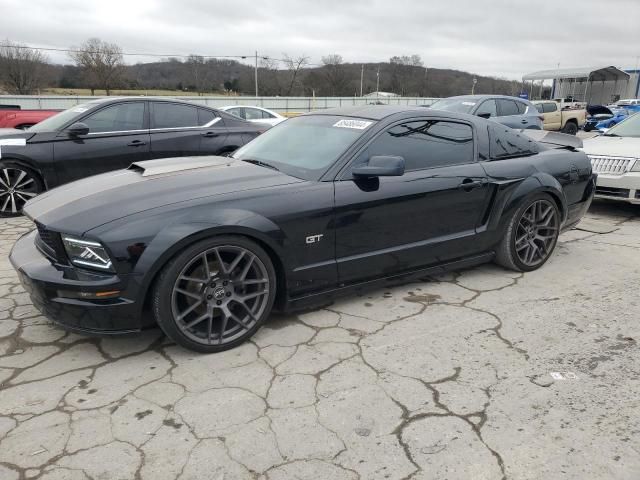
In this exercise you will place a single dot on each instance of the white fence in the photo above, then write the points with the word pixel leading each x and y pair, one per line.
pixel 279 104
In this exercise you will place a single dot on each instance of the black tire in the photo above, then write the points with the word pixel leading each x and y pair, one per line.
pixel 25 126
pixel 570 128
pixel 204 316
pixel 508 256
pixel 12 199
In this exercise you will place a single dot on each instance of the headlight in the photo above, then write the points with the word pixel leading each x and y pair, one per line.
pixel 87 254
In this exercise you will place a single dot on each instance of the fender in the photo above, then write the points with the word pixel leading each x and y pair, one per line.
pixel 512 193
pixel 189 226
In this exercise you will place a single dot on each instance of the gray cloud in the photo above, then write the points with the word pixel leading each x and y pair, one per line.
pixel 495 37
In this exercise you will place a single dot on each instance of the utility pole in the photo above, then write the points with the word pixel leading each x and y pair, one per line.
pixel 378 81
pixel 473 86
pixel 361 78
pixel 256 72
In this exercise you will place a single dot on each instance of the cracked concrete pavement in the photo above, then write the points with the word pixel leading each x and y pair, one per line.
pixel 483 374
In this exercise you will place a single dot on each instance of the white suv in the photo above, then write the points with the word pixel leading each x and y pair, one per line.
pixel 615 157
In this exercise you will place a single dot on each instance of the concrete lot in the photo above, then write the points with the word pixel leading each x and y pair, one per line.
pixel 481 374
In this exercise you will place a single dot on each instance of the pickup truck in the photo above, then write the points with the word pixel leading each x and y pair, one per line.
pixel 23 119
pixel 566 117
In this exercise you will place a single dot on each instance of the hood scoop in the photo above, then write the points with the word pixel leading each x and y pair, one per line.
pixel 150 168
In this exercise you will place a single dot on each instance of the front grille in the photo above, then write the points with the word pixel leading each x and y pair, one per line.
pixel 50 244
pixel 613 192
pixel 611 165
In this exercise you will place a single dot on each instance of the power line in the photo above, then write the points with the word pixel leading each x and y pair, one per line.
pixel 158 55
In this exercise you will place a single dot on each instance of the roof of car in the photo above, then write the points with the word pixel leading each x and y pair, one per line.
pixel 484 97
pixel 138 97
pixel 372 112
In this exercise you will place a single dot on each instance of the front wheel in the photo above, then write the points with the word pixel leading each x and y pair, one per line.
pixel 531 235
pixel 216 294
pixel 18 184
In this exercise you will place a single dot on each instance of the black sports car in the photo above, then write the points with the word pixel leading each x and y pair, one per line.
pixel 319 205
pixel 109 134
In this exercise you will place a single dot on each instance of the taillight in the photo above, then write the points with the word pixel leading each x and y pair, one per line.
pixel 541 117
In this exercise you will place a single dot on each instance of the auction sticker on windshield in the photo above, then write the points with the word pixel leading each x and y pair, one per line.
pixel 357 124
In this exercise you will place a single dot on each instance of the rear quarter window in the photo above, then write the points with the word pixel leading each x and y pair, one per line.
pixel 507 143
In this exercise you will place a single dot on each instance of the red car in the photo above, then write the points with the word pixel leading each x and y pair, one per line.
pixel 22 119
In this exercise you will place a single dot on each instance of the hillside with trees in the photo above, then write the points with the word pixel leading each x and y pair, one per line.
pixel 100 67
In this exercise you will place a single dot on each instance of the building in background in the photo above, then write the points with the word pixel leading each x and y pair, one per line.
pixel 593 85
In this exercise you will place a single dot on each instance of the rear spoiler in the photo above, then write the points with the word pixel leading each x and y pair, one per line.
pixel 553 139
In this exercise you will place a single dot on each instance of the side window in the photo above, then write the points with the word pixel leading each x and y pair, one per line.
pixel 426 144
pixel 539 107
pixel 205 116
pixel 252 114
pixel 267 115
pixel 506 143
pixel 172 115
pixel 521 107
pixel 550 107
pixel 236 112
pixel 507 107
pixel 117 118
pixel 488 106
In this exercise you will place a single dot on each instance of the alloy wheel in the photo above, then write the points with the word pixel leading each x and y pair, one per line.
pixel 16 187
pixel 536 233
pixel 220 294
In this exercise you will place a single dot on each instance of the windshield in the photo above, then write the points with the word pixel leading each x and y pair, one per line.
pixel 630 127
pixel 454 105
pixel 305 147
pixel 59 120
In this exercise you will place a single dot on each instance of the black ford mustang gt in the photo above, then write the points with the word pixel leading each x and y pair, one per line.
pixel 321 204
pixel 109 134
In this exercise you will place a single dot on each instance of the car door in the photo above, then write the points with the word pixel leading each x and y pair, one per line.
pixel 214 133
pixel 510 115
pixel 552 116
pixel 118 136
pixel 255 115
pixel 175 131
pixel 390 225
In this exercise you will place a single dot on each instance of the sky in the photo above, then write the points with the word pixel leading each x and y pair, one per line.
pixel 503 38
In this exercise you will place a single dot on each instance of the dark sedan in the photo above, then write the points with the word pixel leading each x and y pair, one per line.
pixel 109 134
pixel 319 205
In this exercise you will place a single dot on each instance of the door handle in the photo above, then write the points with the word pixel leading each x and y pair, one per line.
pixel 469 184
pixel 524 121
pixel 210 134
pixel 136 143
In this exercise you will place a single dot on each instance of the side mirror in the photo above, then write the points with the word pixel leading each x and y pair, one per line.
pixel 381 166
pixel 77 129
pixel 486 115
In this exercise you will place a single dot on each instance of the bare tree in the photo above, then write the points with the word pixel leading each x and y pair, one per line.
pixel 198 71
pixel 269 76
pixel 101 62
pixel 402 69
pixel 22 69
pixel 294 65
pixel 335 73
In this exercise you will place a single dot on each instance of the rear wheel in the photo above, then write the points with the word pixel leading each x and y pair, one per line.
pixel 18 184
pixel 570 128
pixel 531 235
pixel 216 294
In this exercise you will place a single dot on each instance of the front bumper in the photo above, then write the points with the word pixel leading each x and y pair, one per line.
pixel 58 290
pixel 623 188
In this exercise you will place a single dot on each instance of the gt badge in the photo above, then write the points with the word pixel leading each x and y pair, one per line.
pixel 314 239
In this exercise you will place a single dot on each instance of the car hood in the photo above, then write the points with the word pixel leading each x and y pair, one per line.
pixel 612 146
pixel 85 204
pixel 14 133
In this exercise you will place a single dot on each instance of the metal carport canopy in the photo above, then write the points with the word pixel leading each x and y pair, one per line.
pixel 593 73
